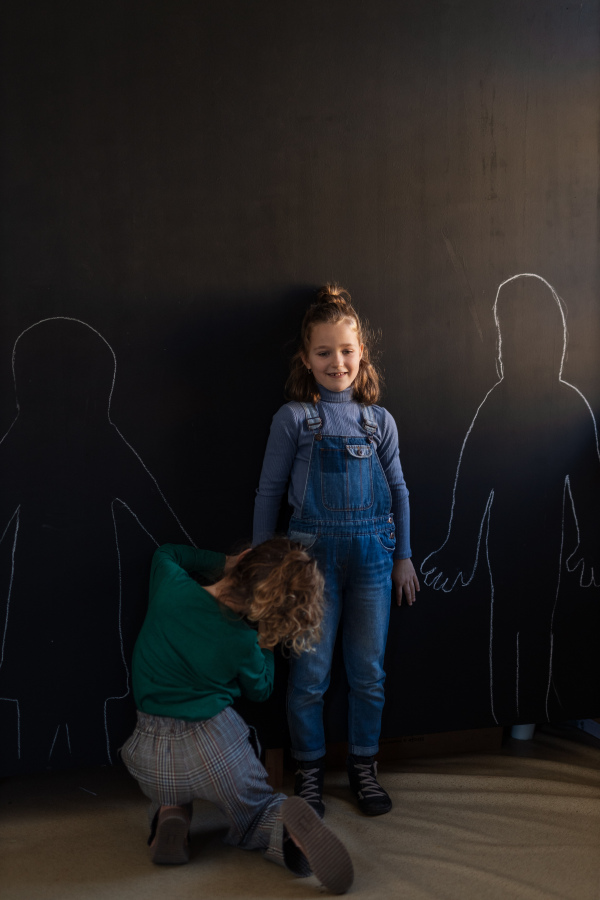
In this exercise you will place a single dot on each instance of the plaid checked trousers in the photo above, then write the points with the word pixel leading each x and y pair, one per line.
pixel 175 762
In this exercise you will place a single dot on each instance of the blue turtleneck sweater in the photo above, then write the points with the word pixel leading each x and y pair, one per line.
pixel 287 458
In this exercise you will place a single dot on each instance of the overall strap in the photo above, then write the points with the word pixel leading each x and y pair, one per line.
pixel 313 419
pixel 368 419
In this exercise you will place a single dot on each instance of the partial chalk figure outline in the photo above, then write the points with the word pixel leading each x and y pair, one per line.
pixel 90 442
pixel 523 641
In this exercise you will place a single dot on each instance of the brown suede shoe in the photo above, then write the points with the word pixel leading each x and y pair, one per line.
pixel 171 846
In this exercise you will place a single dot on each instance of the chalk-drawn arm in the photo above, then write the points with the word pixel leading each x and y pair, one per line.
pixel 139 493
pixel 472 499
pixel 10 491
pixel 11 494
pixel 455 560
pixel 10 507
pixel 582 494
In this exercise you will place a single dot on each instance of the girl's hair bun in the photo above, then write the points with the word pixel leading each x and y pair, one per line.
pixel 334 293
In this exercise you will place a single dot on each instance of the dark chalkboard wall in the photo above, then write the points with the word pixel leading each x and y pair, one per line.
pixel 177 177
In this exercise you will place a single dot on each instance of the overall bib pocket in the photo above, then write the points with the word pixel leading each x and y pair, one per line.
pixel 346 475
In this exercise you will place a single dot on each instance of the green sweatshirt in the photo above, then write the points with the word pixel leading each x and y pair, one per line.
pixel 193 655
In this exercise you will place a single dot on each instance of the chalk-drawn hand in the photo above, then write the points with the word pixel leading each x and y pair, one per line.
pixel 442 571
pixel 586 558
pixel 405 581
pixel 582 495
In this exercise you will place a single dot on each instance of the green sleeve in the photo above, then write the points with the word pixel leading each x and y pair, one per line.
pixel 256 674
pixel 170 557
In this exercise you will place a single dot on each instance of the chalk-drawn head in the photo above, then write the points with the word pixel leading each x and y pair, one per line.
pixel 332 319
pixel 63 364
pixel 532 330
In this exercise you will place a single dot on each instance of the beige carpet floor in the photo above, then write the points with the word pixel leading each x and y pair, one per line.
pixel 522 822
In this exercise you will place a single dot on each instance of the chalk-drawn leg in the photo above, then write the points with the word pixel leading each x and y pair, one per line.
pixel 39 735
pixel 520 655
pixel 77 741
pixel 535 645
pixel 504 663
pixel 10 747
pixel 87 738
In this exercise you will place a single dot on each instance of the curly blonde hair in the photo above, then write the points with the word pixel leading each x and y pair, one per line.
pixel 333 305
pixel 279 585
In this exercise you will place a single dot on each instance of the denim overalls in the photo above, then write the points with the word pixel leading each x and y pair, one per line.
pixel 347 524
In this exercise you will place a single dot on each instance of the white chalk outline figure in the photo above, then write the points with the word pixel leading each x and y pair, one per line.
pixel 491 490
pixel 21 458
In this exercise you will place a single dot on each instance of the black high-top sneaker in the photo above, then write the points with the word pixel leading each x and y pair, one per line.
pixel 372 799
pixel 308 783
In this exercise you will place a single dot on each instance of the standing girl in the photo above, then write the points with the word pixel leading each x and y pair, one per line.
pixel 339 453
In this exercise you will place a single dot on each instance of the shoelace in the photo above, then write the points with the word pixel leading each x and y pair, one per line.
pixel 310 785
pixel 367 775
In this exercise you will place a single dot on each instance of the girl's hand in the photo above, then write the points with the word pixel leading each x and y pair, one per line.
pixel 405 581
